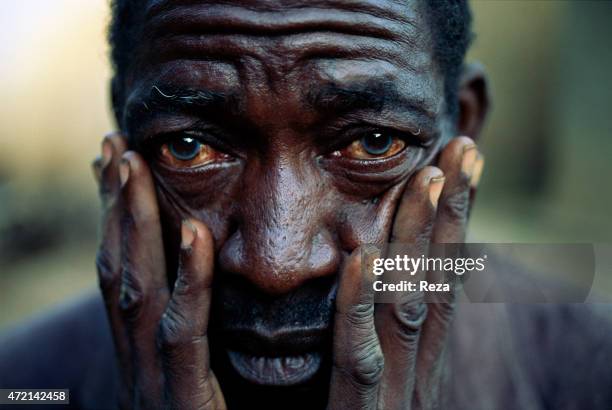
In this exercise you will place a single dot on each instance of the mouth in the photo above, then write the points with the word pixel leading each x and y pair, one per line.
pixel 275 371
pixel 279 358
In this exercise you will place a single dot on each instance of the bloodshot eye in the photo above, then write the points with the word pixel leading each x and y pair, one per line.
pixel 187 152
pixel 374 145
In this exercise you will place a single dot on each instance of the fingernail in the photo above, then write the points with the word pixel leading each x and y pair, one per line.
pixel 477 172
pixel 435 189
pixel 469 159
pixel 188 234
pixel 107 152
pixel 124 171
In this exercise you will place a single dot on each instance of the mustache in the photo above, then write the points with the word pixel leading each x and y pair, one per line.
pixel 238 305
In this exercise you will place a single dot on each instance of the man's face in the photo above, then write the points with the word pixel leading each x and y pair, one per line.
pixel 290 128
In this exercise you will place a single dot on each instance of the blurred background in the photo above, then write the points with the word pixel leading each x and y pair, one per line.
pixel 548 144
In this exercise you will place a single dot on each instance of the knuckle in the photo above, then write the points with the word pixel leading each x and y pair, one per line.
pixel 108 275
pixel 367 368
pixel 174 331
pixel 132 298
pixel 360 314
pixel 185 287
pixel 456 205
pixel 169 338
pixel 410 317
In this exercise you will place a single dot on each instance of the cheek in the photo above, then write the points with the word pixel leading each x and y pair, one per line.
pixel 216 199
pixel 370 222
pixel 198 188
pixel 208 198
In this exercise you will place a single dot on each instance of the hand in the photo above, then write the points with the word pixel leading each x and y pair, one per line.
pixel 392 356
pixel 387 358
pixel 160 336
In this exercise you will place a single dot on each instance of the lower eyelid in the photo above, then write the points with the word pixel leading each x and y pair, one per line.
pixel 212 166
pixel 380 170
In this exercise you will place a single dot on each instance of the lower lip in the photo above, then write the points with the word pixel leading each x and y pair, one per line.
pixel 275 371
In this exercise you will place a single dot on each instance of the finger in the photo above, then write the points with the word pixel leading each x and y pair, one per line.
pixel 414 218
pixel 457 161
pixel 358 361
pixel 183 330
pixel 96 167
pixel 460 164
pixel 399 323
pixel 144 290
pixel 108 255
pixel 475 180
pixel 113 147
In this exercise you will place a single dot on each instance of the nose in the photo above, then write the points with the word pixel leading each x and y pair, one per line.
pixel 282 238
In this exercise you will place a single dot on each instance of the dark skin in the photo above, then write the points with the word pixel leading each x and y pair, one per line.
pixel 276 217
pixel 254 244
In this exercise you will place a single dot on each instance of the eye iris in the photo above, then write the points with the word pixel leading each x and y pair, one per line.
pixel 376 143
pixel 185 148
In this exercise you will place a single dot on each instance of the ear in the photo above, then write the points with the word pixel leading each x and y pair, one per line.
pixel 117 102
pixel 474 101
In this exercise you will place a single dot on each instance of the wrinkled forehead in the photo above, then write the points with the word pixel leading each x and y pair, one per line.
pixel 396 20
pixel 225 44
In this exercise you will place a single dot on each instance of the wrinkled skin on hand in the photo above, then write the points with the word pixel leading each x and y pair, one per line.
pixel 384 356
pixel 264 238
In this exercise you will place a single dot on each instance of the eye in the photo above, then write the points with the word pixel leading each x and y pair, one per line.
pixel 373 145
pixel 188 152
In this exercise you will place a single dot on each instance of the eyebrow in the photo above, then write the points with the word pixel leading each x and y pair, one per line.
pixel 370 95
pixel 174 99
pixel 331 99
